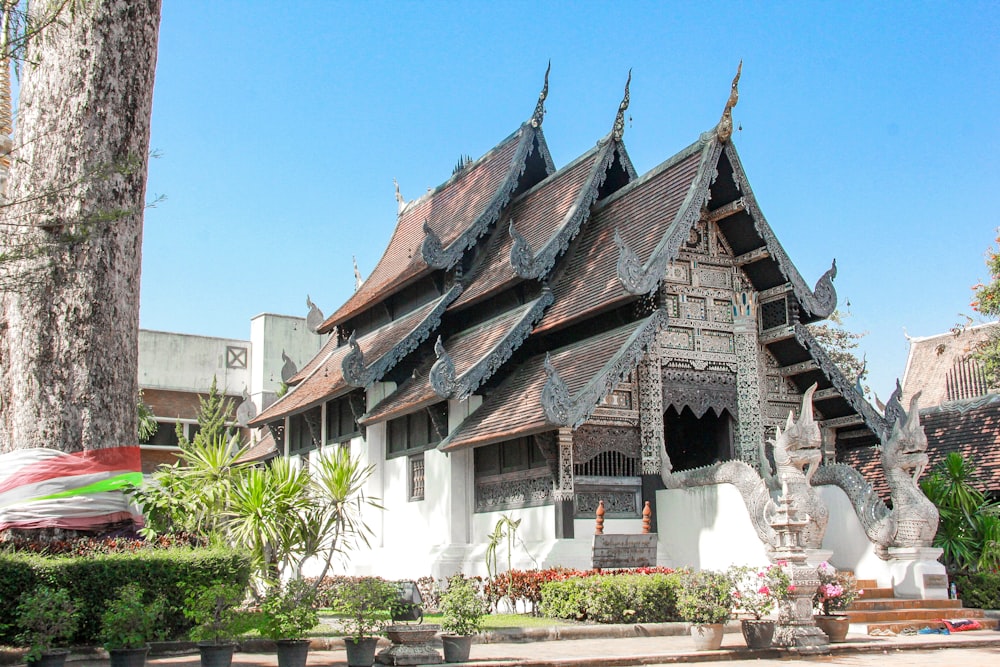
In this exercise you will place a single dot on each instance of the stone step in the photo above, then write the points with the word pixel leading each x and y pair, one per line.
pixel 894 615
pixel 876 592
pixel 867 583
pixel 886 604
pixel 901 627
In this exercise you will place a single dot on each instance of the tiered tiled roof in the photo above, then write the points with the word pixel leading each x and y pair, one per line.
pixel 515 408
pixel 644 213
pixel 381 349
pixel 547 217
pixel 475 353
pixel 458 212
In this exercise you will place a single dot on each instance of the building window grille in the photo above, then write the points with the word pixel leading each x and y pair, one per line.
pixel 416 484
pixel 773 314
pixel 236 357
pixel 609 464
pixel 966 379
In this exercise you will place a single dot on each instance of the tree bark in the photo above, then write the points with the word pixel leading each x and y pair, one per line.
pixel 69 326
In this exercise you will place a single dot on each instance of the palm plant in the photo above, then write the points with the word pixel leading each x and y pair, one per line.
pixel 969 528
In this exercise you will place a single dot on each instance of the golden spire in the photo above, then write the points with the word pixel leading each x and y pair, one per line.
pixel 539 115
pixel 725 128
pixel 619 128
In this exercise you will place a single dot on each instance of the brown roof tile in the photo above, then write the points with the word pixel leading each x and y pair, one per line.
pixel 471 352
pixel 930 359
pixel 538 215
pixel 515 408
pixel 644 212
pixel 327 379
pixel 262 450
pixel 971 428
pixel 450 210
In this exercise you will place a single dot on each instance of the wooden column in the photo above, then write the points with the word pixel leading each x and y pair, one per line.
pixel 654 452
pixel 563 493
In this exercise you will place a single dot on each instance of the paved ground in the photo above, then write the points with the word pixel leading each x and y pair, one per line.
pixel 972 649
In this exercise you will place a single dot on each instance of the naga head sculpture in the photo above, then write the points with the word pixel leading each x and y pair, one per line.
pixel 799 444
pixel 907 444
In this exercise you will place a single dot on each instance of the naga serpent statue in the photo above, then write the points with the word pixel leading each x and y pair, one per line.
pixel 913 520
pixel 797 455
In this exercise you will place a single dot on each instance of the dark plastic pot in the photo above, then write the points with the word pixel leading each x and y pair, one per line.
pixel 216 655
pixel 361 653
pixel 292 652
pixel 128 657
pixel 456 647
pixel 55 658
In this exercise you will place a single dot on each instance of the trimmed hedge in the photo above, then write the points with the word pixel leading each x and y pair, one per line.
pixel 95 579
pixel 978 589
pixel 619 598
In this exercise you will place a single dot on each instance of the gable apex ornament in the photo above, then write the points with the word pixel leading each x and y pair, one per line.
pixel 825 293
pixel 724 131
pixel 539 115
pixel 400 202
pixel 619 128
pixel 358 280
pixel 432 249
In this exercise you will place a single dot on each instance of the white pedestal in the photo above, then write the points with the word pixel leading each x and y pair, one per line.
pixel 917 574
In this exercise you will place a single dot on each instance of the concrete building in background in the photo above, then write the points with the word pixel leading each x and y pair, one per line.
pixel 176 370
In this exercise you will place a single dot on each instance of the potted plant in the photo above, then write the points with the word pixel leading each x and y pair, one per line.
pixel 462 617
pixel 47 617
pixel 365 604
pixel 128 623
pixel 706 602
pixel 287 613
pixel 835 593
pixel 217 621
pixel 756 591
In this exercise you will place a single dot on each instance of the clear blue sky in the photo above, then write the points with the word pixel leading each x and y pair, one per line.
pixel 869 134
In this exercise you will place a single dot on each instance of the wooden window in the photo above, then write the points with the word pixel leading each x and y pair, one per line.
pixel 511 474
pixel 301 437
pixel 416 431
pixel 340 422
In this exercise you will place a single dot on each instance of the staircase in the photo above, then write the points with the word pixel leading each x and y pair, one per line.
pixel 881 612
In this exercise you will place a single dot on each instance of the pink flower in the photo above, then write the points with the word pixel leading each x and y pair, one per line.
pixel 764 590
pixel 791 588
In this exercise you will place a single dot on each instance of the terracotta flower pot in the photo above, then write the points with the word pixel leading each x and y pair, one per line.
pixel 707 636
pixel 835 626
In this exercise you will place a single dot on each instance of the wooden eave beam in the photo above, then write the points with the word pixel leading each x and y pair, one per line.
pixel 843 422
pixel 799 368
pixel 726 210
pixel 755 255
pixel 775 335
pixel 826 394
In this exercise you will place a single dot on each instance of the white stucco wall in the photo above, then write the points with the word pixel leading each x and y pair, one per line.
pixel 706 527
pixel 270 335
pixel 184 362
pixel 845 536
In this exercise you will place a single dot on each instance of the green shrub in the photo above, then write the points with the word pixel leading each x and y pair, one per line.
pixel 289 611
pixel 92 581
pixel 132 618
pixel 613 598
pixel 978 589
pixel 47 617
pixel 706 597
pixel 462 608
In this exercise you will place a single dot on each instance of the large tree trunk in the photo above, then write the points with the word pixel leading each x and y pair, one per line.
pixel 69 326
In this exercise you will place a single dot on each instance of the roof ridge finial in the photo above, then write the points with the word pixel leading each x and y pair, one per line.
pixel 401 203
pixel 358 280
pixel 539 115
pixel 619 128
pixel 725 128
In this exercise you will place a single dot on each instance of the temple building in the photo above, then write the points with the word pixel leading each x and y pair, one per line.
pixel 538 339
